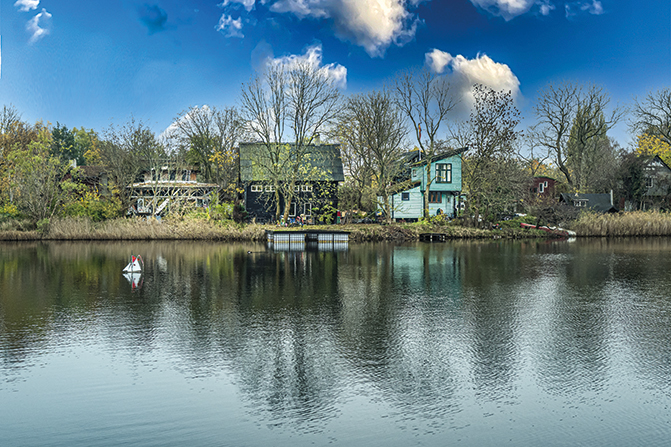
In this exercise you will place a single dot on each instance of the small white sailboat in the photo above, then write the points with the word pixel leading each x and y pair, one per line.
pixel 134 265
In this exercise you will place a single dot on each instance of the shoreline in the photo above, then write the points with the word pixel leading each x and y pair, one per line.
pixel 630 224
pixel 203 230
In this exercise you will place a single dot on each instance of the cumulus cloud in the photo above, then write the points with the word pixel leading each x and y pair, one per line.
pixel 248 4
pixel 313 56
pixel 463 73
pixel 153 17
pixel 230 27
pixel 39 26
pixel 371 24
pixel 27 5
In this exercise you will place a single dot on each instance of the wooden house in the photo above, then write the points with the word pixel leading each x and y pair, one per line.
pixel 657 178
pixel 601 203
pixel 542 187
pixel 444 189
pixel 157 190
pixel 315 192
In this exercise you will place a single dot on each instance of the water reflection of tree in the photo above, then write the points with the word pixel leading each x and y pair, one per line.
pixel 400 326
pixel 418 324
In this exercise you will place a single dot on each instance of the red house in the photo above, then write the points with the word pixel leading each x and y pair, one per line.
pixel 543 187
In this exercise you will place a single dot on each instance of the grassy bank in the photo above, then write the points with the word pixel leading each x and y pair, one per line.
pixel 201 229
pixel 635 223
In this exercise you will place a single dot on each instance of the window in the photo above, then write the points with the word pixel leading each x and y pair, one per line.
pixel 541 188
pixel 306 188
pixel 256 188
pixel 292 209
pixel 444 172
pixel 307 209
pixel 405 196
pixel 297 188
pixel 649 182
pixel 435 197
pixel 270 188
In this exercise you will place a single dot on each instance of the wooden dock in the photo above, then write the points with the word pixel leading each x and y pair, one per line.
pixel 301 240
pixel 433 237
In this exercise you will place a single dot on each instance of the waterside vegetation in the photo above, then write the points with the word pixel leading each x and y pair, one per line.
pixel 200 227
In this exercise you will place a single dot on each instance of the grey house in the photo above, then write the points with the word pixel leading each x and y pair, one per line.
pixel 315 195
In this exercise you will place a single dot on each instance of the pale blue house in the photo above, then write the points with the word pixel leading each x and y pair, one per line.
pixel 444 190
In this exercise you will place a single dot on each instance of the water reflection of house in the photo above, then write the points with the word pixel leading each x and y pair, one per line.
pixel 158 189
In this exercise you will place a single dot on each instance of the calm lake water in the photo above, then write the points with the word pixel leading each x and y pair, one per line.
pixel 464 343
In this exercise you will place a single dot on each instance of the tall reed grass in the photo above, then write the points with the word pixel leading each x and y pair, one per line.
pixel 135 229
pixel 634 223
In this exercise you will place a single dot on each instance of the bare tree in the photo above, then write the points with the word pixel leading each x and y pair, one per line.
pixel 425 99
pixel 8 116
pixel 492 174
pixel 374 129
pixel 209 138
pixel 557 109
pixel 294 101
pixel 126 151
pixel 653 114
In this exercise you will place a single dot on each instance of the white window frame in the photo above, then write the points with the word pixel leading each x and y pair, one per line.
pixel 256 188
pixel 292 209
pixel 269 188
pixel 306 188
pixel 307 208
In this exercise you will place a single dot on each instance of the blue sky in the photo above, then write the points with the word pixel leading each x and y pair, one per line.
pixel 91 63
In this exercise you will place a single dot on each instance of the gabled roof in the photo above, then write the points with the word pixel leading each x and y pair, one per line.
pixel 325 157
pixel 597 202
pixel 413 157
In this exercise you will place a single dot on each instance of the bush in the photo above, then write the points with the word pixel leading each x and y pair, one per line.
pixel 91 205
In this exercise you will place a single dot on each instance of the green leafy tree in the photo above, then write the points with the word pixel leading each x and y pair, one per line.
pixel 37 177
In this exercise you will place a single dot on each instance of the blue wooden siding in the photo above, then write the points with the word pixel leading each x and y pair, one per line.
pixel 419 173
pixel 414 207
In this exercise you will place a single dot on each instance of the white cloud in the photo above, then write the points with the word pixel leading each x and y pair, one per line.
pixel 574 8
pixel 463 73
pixel 38 26
pixel 230 27
pixel 372 24
pixel 27 5
pixel 545 7
pixel 248 4
pixel 508 9
pixel 593 8
pixel 313 55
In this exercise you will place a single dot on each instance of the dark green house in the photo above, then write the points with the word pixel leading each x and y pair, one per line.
pixel 316 178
